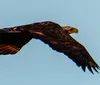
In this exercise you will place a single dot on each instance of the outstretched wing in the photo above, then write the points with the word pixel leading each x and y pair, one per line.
pixel 62 42
pixel 12 42
pixel 76 52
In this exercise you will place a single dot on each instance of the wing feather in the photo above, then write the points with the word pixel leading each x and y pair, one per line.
pixel 8 49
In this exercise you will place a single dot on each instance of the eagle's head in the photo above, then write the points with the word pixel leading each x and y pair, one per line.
pixel 70 29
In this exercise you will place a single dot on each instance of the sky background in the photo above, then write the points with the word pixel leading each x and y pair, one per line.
pixel 37 63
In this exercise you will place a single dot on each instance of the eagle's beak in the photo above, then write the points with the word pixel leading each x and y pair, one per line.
pixel 70 29
pixel 74 30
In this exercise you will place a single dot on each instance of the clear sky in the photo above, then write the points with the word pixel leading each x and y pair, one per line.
pixel 37 63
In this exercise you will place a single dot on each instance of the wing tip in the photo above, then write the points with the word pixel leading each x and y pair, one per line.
pixel 91 68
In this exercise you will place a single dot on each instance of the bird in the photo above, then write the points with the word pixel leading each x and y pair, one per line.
pixel 58 37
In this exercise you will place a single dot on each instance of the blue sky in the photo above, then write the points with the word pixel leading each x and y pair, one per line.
pixel 37 63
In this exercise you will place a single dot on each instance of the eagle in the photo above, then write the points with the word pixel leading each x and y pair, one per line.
pixel 58 37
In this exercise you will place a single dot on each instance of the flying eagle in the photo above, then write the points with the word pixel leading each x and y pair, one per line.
pixel 57 37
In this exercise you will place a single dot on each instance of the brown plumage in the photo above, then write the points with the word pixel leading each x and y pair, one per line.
pixel 57 37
